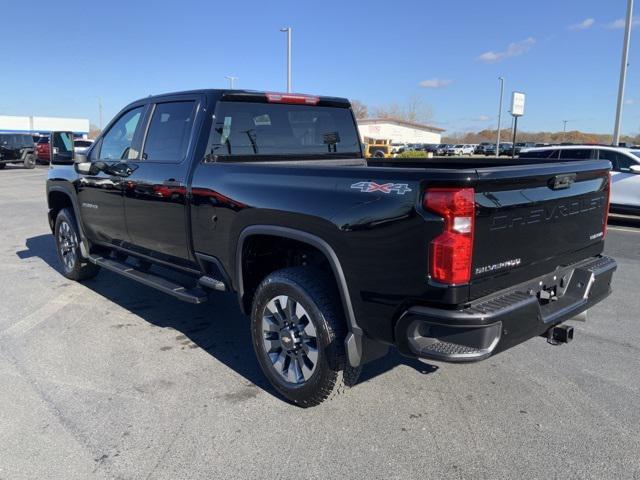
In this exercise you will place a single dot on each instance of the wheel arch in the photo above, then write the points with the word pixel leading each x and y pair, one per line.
pixel 354 339
pixel 59 197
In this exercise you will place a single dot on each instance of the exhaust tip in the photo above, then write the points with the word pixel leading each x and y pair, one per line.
pixel 560 334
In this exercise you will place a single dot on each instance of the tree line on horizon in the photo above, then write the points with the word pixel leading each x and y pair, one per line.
pixel 573 136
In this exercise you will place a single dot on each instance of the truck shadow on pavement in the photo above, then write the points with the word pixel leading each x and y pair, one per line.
pixel 218 327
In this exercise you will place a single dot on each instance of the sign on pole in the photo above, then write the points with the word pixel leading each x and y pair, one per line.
pixel 517 104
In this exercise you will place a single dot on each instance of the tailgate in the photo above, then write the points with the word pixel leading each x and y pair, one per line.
pixel 531 219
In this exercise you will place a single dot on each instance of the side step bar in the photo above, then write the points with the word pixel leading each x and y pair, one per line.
pixel 194 295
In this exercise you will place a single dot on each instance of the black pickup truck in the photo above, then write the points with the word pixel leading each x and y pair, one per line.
pixel 333 256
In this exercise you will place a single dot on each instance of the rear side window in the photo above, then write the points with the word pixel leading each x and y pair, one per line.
pixel 576 154
pixel 169 132
pixel 117 143
pixel 244 129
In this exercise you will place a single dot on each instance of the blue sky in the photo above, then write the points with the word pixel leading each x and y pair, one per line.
pixel 565 54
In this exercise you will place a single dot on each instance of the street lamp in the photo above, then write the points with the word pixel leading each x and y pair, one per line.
pixel 100 111
pixel 231 79
pixel 623 72
pixel 288 30
pixel 500 113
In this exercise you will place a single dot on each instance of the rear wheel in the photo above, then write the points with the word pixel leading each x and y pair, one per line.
pixel 74 266
pixel 298 331
pixel 2 165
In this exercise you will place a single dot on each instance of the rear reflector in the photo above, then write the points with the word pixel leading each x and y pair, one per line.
pixel 451 252
pixel 292 98
pixel 605 219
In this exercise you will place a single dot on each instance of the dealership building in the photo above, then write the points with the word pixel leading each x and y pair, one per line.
pixel 398 131
pixel 43 125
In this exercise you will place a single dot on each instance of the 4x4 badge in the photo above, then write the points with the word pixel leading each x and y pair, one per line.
pixel 399 188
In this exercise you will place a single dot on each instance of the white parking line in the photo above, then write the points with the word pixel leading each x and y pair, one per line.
pixel 623 229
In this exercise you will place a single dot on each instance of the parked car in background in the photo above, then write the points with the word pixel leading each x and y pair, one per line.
pixel 479 150
pixel 625 171
pixel 490 150
pixel 17 148
pixel 81 145
pixel 519 147
pixel 378 149
pixel 42 150
pixel 505 149
pixel 460 149
pixel 431 148
pixel 442 149
pixel 398 147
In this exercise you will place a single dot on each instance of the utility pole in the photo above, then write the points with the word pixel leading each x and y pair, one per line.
pixel 623 73
pixel 231 79
pixel 100 111
pixel 499 113
pixel 564 130
pixel 288 31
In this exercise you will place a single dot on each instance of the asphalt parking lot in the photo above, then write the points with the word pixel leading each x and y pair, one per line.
pixel 109 379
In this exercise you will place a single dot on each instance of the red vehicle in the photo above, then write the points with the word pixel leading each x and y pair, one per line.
pixel 42 149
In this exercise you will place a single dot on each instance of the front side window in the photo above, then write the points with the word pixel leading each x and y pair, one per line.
pixel 625 162
pixel 169 132
pixel 117 143
pixel 245 129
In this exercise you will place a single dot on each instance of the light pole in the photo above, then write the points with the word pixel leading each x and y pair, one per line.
pixel 623 72
pixel 100 111
pixel 231 79
pixel 288 30
pixel 499 113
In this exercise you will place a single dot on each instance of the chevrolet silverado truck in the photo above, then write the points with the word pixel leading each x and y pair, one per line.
pixel 334 257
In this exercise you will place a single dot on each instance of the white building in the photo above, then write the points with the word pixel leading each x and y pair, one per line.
pixel 398 131
pixel 14 124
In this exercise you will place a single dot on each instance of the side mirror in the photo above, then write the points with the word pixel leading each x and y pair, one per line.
pixel 634 168
pixel 61 148
pixel 84 168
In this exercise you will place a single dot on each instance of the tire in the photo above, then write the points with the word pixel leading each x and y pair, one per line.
pixel 74 267
pixel 298 330
pixel 29 161
pixel 2 165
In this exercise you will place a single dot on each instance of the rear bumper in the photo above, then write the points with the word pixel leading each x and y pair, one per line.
pixel 507 318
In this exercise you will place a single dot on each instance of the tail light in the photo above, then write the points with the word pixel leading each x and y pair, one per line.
pixel 606 207
pixel 450 254
pixel 292 98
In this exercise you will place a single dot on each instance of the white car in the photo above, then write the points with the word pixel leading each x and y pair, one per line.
pixel 398 147
pixel 460 149
pixel 625 171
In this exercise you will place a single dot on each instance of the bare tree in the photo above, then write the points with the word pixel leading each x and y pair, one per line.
pixel 414 110
pixel 94 131
pixel 360 110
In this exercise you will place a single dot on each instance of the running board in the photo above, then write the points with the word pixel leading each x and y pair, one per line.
pixel 193 295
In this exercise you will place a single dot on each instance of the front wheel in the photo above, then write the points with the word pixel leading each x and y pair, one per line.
pixel 298 330
pixel 29 161
pixel 74 267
